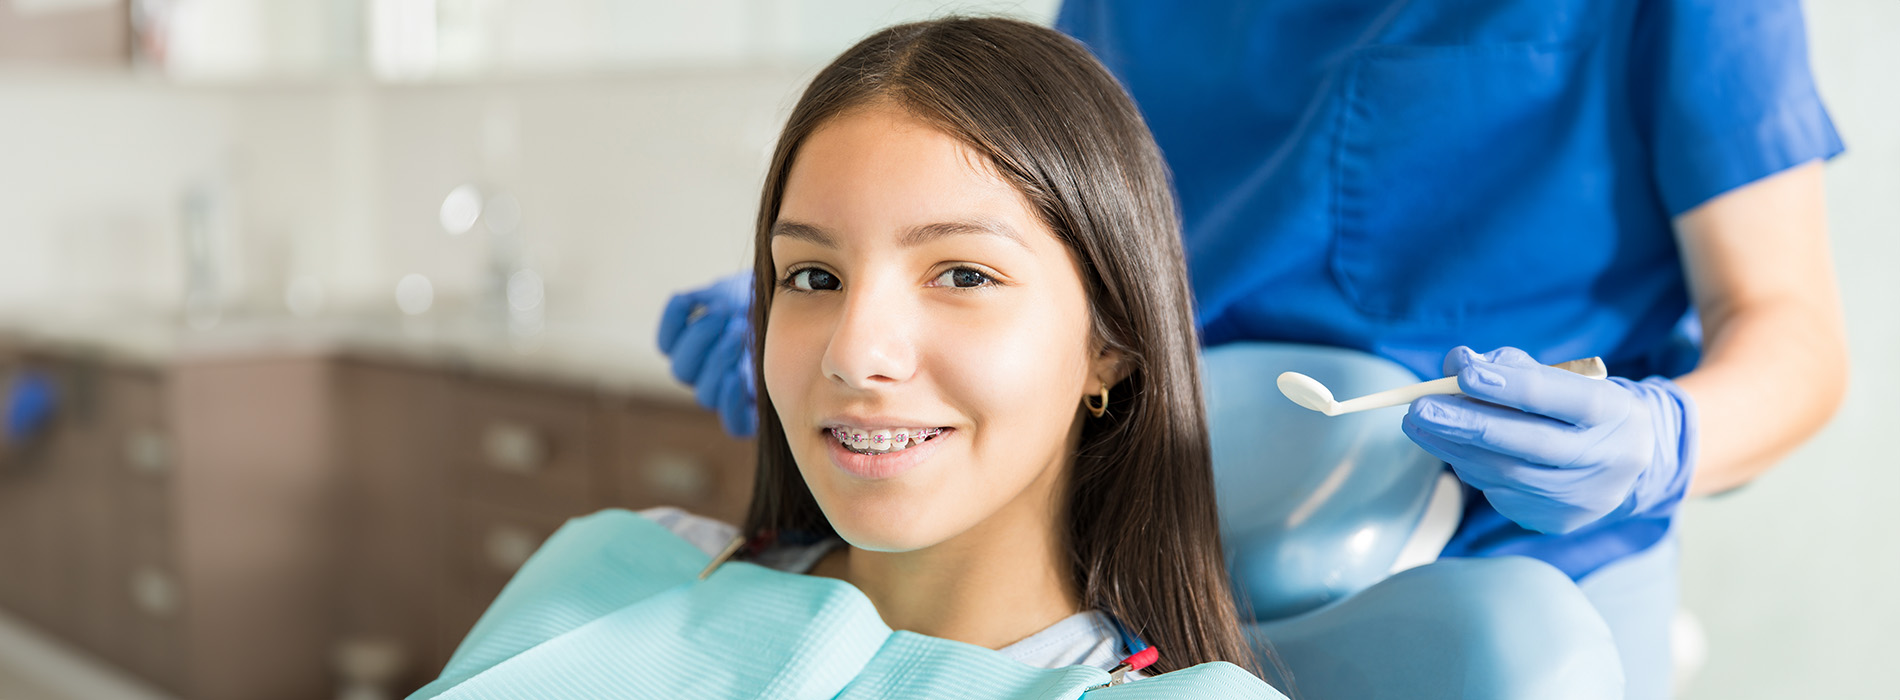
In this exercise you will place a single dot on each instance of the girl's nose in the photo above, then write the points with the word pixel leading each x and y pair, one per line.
pixel 871 345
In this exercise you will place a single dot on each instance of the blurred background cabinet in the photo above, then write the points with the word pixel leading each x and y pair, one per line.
pixel 87 520
pixel 217 527
pixel 65 33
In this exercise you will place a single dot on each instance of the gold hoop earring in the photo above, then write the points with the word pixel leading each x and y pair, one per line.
pixel 1096 409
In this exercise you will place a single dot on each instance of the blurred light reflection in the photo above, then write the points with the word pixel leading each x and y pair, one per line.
pixel 414 294
pixel 304 297
pixel 525 290
pixel 460 209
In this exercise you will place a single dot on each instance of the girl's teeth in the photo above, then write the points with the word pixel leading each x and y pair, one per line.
pixel 882 441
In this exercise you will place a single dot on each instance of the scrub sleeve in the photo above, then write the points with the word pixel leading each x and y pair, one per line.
pixel 1730 100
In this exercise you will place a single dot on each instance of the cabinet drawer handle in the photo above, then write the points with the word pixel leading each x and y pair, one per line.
pixel 678 478
pixel 369 666
pixel 147 452
pixel 508 547
pixel 154 592
pixel 514 448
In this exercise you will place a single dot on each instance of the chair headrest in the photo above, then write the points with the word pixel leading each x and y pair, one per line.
pixel 1313 508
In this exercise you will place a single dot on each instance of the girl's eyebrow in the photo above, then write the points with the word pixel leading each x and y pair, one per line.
pixel 914 236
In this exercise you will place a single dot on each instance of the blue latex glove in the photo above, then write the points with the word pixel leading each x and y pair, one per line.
pixel 30 403
pixel 712 350
pixel 1555 451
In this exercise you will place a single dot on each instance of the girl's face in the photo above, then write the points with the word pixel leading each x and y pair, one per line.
pixel 928 346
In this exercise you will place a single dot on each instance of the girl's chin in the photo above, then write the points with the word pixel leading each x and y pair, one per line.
pixel 885 524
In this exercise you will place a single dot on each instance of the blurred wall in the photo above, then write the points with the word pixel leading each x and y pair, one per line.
pixel 1793 575
pixel 628 187
pixel 634 171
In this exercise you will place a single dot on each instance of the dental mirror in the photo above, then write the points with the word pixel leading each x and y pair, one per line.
pixel 1310 393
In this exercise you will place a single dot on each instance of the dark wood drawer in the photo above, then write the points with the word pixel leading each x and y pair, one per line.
pixel 154 642
pixel 526 448
pixel 88 519
pixel 128 584
pixel 49 495
pixel 393 437
pixel 489 544
pixel 679 456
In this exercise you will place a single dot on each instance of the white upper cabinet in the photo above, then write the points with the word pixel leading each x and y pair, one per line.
pixel 463 40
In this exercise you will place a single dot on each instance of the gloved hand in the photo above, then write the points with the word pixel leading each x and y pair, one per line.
pixel 31 399
pixel 1555 451
pixel 711 349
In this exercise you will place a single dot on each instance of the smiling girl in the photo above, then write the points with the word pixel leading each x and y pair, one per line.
pixel 979 407
pixel 980 393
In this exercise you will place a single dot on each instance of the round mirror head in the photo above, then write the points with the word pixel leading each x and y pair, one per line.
pixel 1306 391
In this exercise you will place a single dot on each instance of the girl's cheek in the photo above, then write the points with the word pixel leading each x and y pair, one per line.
pixel 972 346
pixel 1000 351
pixel 784 359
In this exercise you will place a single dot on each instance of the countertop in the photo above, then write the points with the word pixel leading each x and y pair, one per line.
pixel 607 360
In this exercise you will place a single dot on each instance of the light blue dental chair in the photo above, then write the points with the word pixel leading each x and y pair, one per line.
pixel 1318 514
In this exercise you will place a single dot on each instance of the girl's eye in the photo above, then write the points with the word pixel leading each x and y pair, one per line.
pixel 963 278
pixel 812 279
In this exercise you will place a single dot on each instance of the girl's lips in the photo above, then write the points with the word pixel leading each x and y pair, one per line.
pixel 885 466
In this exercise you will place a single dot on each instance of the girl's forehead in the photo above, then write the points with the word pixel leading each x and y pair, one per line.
pixel 881 168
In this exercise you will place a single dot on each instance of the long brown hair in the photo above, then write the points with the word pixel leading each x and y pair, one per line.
pixel 1143 535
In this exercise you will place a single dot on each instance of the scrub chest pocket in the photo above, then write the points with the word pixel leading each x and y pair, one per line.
pixel 1466 178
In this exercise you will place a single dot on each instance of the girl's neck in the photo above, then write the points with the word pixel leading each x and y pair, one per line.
pixel 993 585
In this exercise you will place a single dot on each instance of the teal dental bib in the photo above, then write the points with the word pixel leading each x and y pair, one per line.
pixel 610 607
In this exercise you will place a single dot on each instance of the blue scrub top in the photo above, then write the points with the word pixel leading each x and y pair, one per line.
pixel 1405 177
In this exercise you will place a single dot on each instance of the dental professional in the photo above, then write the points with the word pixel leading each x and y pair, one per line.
pixel 1634 179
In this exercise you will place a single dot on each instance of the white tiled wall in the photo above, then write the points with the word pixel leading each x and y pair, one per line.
pixel 90 183
pixel 629 187
pixel 637 174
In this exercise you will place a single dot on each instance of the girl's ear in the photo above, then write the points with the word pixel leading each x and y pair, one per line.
pixel 1110 367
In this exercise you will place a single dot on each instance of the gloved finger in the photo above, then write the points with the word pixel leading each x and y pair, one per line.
pixel 721 362
pixel 1462 356
pixel 1539 513
pixel 689 354
pixel 737 410
pixel 746 358
pixel 1514 379
pixel 732 292
pixel 1473 465
pixel 675 318
pixel 1535 497
pixel 1486 469
pixel 1502 430
pixel 1456 360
